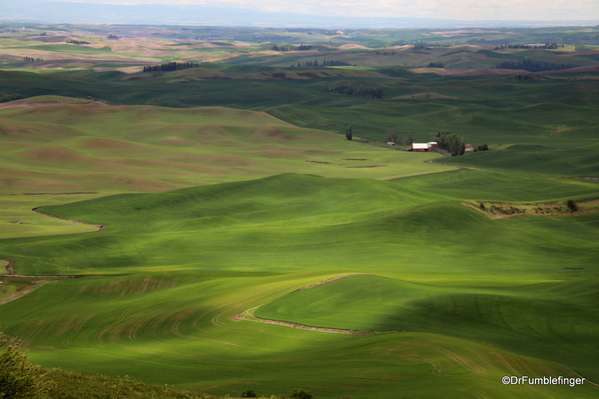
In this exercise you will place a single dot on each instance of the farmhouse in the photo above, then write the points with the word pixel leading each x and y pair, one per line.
pixel 420 147
pixel 424 146
pixel 468 148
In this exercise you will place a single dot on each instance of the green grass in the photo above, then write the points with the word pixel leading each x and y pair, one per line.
pixel 525 319
pixel 557 161
pixel 139 149
pixel 68 48
pixel 467 286
pixel 179 329
pixel 291 222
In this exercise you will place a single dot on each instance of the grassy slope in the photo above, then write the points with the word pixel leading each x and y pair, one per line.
pixel 557 161
pixel 311 228
pixel 526 319
pixel 489 109
pixel 58 147
pixel 293 223
pixel 179 328
pixel 107 150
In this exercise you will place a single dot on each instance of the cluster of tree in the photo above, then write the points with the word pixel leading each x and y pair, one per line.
pixel 275 47
pixel 524 77
pixel 10 97
pixel 386 53
pixel 355 89
pixel 436 65
pixel 31 59
pixel 113 37
pixel 451 142
pixel 483 147
pixel 533 66
pixel 324 63
pixel 18 378
pixel 171 66
pixel 394 137
pixel 10 31
pixel 548 46
pixel 77 42
pixel 301 47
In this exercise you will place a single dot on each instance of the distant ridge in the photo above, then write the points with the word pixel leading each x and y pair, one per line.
pixel 66 12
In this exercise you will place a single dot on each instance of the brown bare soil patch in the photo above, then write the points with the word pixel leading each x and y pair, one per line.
pixel 9 266
pixel 108 144
pixel 54 154
pixel 326 162
pixel 326 124
pixel 353 46
pixel 133 69
pixel 176 141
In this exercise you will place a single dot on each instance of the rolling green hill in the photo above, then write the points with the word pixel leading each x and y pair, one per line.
pixel 526 320
pixel 140 324
pixel 557 160
pixel 290 223
pixel 214 195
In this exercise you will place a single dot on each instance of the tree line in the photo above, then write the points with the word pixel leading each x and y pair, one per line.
pixel 533 66
pixel 451 142
pixel 31 59
pixel 77 42
pixel 302 47
pixel 355 89
pixel 548 46
pixel 324 63
pixel 171 66
pixel 10 97
pixel 394 137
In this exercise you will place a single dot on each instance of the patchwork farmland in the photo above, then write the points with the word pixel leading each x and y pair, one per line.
pixel 212 229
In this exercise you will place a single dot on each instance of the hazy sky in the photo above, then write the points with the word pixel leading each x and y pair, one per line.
pixel 471 10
